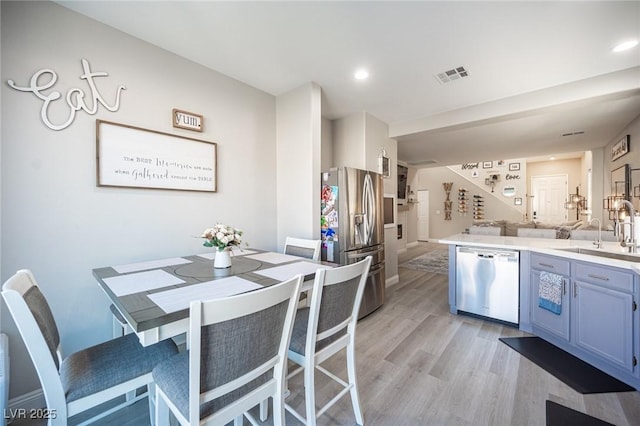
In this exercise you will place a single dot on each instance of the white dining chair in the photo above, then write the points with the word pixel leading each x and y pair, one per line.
pixel 323 329
pixel 236 359
pixel 302 247
pixel 89 377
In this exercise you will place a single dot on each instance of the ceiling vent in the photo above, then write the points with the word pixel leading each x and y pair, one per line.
pixel 452 74
pixel 573 134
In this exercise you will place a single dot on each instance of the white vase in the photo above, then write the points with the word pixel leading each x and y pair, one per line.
pixel 222 259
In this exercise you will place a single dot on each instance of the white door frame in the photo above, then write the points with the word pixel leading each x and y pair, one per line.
pixel 533 201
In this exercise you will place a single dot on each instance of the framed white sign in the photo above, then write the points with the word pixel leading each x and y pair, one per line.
pixel 384 164
pixel 133 157
pixel 620 148
pixel 187 120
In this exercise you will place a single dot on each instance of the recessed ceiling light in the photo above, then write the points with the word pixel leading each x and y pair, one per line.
pixel 625 46
pixel 361 74
pixel 552 158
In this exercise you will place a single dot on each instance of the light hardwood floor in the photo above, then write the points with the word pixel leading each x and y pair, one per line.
pixel 420 365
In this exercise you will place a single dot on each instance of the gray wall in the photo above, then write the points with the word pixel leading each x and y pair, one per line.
pixel 55 220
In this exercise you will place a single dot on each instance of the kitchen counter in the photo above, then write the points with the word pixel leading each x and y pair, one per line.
pixel 550 246
pixel 599 319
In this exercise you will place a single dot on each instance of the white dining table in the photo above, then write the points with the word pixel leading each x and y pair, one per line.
pixel 154 296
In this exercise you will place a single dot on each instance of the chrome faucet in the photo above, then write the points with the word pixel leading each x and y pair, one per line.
pixel 598 242
pixel 629 240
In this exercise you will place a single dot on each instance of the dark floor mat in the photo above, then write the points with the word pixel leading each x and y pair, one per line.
pixel 559 415
pixel 574 372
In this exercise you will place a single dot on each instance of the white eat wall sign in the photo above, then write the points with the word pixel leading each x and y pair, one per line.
pixel 75 97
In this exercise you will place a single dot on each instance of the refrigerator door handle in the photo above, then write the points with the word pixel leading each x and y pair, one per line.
pixel 365 230
pixel 372 208
pixel 368 208
pixel 363 254
pixel 375 269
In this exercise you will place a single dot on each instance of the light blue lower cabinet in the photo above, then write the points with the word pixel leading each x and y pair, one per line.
pixel 603 323
pixel 598 320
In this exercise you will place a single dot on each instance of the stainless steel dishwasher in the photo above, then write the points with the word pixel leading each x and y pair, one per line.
pixel 487 283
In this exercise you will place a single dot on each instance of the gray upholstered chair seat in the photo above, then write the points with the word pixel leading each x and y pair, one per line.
pixel 110 363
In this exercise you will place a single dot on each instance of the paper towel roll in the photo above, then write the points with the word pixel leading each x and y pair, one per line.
pixel 636 227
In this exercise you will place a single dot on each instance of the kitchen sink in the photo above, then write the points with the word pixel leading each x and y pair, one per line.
pixel 601 253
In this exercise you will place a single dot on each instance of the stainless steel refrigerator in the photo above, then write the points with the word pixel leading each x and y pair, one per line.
pixel 353 226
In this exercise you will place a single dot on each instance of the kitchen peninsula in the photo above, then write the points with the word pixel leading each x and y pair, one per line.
pixel 593 312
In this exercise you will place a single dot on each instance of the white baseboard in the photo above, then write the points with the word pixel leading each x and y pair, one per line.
pixel 413 244
pixel 391 281
pixel 24 403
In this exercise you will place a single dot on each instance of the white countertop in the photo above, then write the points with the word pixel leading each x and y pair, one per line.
pixel 548 246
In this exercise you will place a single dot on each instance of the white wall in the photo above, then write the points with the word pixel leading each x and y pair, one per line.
pixel 478 173
pixel 572 167
pixel 327 145
pixel 597 185
pixel 497 206
pixel 349 149
pixel 409 211
pixel 632 158
pixel 55 220
pixel 298 163
pixel 376 138
pixel 358 139
pixel 432 179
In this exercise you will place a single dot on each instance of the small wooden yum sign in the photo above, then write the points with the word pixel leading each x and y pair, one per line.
pixel 187 120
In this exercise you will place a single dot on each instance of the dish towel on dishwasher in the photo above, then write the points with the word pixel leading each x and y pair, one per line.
pixel 550 292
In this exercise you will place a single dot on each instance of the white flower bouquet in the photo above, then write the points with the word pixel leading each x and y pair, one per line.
pixel 222 236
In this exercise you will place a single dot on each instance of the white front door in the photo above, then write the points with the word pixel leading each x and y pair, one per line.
pixel 549 193
pixel 423 215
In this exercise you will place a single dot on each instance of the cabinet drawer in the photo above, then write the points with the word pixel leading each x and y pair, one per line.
pixel 551 264
pixel 599 275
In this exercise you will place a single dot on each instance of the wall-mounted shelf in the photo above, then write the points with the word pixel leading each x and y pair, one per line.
pixel 463 200
pixel 478 207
